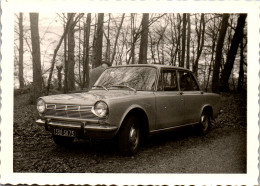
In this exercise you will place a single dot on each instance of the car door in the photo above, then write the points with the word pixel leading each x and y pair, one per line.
pixel 193 97
pixel 169 102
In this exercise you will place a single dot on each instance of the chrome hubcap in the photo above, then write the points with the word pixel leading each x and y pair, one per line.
pixel 204 122
pixel 133 137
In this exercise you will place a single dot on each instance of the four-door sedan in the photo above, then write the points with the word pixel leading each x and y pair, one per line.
pixel 129 103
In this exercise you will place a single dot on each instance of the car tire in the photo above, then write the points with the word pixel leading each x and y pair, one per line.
pixel 129 136
pixel 205 123
pixel 62 140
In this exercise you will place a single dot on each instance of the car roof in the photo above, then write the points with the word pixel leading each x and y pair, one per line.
pixel 159 66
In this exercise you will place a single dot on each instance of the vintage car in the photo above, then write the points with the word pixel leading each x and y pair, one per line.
pixel 129 103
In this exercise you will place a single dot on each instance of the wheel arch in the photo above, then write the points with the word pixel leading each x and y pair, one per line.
pixel 139 113
pixel 207 108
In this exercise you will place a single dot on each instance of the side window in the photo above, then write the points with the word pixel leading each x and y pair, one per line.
pixel 187 82
pixel 168 81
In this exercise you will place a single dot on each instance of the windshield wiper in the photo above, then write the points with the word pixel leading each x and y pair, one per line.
pixel 101 87
pixel 124 86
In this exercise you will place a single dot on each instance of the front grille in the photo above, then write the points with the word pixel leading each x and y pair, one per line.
pixel 70 111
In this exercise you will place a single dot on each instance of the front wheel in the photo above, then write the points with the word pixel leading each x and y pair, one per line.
pixel 204 124
pixel 62 140
pixel 129 136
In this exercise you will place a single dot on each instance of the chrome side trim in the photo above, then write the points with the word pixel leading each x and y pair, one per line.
pixel 171 128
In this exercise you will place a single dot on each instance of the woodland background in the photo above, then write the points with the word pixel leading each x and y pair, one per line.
pixel 55 52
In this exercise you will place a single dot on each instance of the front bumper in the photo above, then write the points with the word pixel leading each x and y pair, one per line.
pixel 89 129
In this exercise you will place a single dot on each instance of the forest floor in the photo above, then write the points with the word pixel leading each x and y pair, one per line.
pixel 222 150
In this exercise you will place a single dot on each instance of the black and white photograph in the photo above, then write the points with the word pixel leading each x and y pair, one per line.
pixel 130 95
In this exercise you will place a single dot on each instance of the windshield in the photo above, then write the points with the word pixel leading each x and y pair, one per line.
pixel 138 78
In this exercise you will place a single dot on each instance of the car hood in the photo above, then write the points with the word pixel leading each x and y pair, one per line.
pixel 87 98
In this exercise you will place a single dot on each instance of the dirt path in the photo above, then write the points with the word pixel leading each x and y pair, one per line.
pixel 223 150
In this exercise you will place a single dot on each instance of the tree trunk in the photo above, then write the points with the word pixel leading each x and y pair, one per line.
pixel 214 38
pixel 36 55
pixel 65 59
pixel 71 54
pixel 201 34
pixel 240 82
pixel 132 54
pixel 93 56
pixel 232 52
pixel 178 49
pixel 21 79
pixel 56 51
pixel 117 35
pixel 108 39
pixel 99 40
pixel 188 43
pixel 151 47
pixel 79 54
pixel 59 76
pixel 183 40
pixel 144 40
pixel 177 40
pixel 220 43
pixel 86 56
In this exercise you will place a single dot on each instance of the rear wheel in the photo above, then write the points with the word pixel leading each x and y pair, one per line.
pixel 129 136
pixel 62 140
pixel 205 123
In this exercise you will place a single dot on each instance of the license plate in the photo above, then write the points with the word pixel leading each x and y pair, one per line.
pixel 64 132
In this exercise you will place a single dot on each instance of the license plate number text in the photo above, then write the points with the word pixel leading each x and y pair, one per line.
pixel 64 132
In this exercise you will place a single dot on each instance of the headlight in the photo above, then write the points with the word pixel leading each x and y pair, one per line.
pixel 41 106
pixel 100 109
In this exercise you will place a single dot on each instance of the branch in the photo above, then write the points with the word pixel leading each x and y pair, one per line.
pixel 56 51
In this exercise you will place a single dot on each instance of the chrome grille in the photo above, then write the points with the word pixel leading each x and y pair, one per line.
pixel 70 111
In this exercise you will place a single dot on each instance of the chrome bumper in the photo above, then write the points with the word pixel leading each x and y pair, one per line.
pixel 78 126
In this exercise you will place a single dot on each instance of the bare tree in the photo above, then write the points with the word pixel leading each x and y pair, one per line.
pixel 116 40
pixel 240 82
pixel 238 36
pixel 184 21
pixel 220 43
pixel 144 39
pixel 160 44
pixel 59 76
pixel 56 51
pixel 21 79
pixel 98 41
pixel 71 54
pixel 188 42
pixel 200 34
pixel 133 39
pixel 178 50
pixel 86 52
pixel 177 33
pixel 65 55
pixel 213 33
pixel 107 57
pixel 136 34
pixel 36 55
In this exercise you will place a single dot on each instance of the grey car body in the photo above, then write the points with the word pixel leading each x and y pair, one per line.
pixel 155 97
